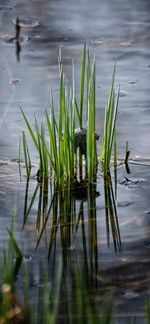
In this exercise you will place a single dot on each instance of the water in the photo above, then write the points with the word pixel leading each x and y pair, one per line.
pixel 114 32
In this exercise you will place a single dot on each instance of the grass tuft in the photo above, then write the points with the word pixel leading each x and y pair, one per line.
pixel 55 140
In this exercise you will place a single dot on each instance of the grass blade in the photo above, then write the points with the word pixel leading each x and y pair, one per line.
pixel 15 245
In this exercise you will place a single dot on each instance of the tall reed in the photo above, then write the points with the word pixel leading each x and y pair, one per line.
pixel 91 158
pixel 109 128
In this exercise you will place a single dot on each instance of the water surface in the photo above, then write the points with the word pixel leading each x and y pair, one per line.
pixel 114 32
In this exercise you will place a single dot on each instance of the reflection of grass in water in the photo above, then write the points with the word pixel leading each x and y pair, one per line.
pixel 71 280
pixel 66 219
pixel 10 263
pixel 147 311
pixel 12 258
pixel 61 210
pixel 111 214
pixel 74 284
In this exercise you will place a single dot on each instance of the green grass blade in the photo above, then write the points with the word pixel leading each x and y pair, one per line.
pixel 26 155
pixel 82 83
pixel 30 130
pixel 115 163
pixel 15 245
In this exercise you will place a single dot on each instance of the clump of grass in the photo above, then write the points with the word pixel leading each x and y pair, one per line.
pixel 57 154
pixel 88 74
pixel 109 129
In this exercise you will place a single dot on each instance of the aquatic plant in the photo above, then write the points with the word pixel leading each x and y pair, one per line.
pixel 91 112
pixel 58 152
pixel 109 128
pixel 39 142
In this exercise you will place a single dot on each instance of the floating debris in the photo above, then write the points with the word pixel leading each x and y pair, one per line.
pixel 14 81
pixel 131 183
pixel 27 22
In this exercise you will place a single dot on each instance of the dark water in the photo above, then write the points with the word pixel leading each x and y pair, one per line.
pixel 114 31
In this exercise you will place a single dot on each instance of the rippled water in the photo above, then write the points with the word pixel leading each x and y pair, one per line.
pixel 114 31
